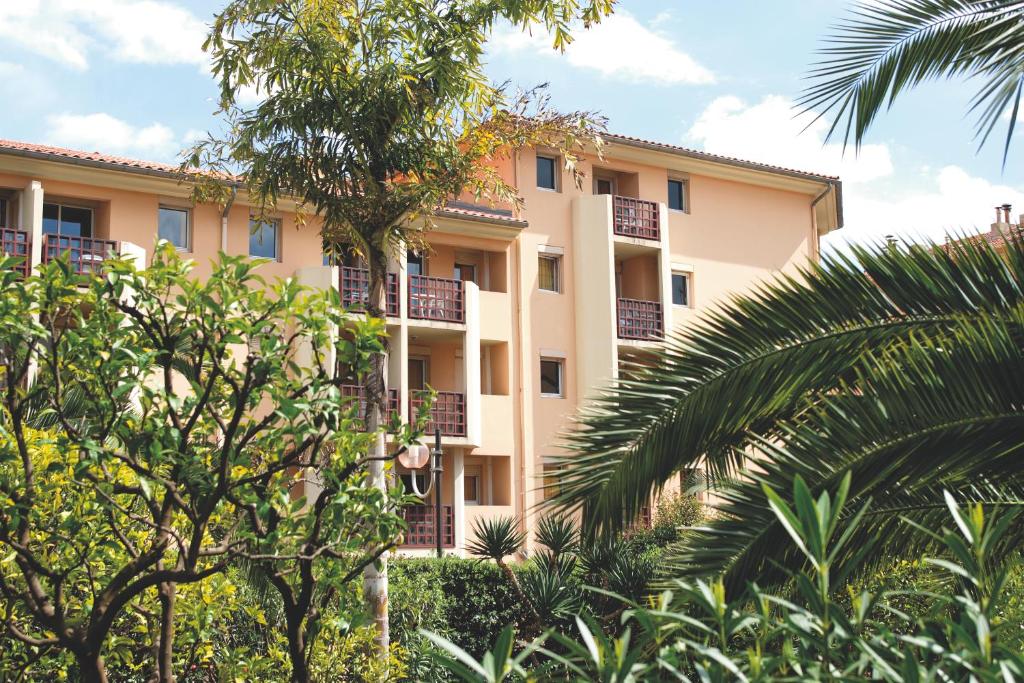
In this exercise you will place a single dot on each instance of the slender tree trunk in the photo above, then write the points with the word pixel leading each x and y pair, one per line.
pixel 165 654
pixel 91 668
pixel 297 646
pixel 375 579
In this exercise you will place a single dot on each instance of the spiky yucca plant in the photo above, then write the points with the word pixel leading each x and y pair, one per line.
pixel 902 366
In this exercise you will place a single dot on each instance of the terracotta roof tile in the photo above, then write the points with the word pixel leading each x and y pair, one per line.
pixel 628 139
pixel 63 152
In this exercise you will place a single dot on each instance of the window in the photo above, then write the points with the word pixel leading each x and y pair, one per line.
pixel 604 186
pixel 551 376
pixel 3 213
pixel 680 289
pixel 418 376
pixel 549 275
pixel 546 178
pixel 551 488
pixel 263 238
pixel 70 221
pixel 677 195
pixel 471 489
pixel 414 263
pixel 175 226
pixel 421 482
pixel 465 272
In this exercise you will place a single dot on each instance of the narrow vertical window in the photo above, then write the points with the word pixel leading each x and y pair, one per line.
pixel 175 226
pixel 549 273
pixel 546 178
pixel 680 289
pixel 264 239
pixel 677 195
pixel 552 376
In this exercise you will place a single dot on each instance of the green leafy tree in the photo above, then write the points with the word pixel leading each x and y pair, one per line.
pixel 152 428
pixel 900 366
pixel 374 113
pixel 884 48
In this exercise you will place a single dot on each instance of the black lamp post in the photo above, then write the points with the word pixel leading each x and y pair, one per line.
pixel 437 469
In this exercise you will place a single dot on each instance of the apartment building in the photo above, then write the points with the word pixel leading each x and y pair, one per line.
pixel 514 319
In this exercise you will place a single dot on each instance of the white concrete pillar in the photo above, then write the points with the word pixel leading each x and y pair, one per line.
pixel 665 270
pixel 458 501
pixel 471 363
pixel 32 219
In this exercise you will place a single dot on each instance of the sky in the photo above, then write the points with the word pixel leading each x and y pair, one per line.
pixel 129 77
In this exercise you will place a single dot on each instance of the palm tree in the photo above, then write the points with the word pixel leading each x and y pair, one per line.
pixel 901 366
pixel 885 47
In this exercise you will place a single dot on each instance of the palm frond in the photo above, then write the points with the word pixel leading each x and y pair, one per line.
pixel 725 385
pixel 884 48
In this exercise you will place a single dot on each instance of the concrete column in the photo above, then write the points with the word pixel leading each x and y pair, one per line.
pixel 458 502
pixel 593 266
pixel 471 363
pixel 32 219
pixel 665 270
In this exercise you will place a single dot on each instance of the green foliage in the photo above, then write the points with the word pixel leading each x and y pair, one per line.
pixel 900 366
pixel 158 445
pixel 697 630
pixel 496 538
pixel 883 49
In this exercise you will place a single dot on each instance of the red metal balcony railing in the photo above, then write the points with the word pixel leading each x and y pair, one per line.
pixel 16 243
pixel 354 286
pixel 447 413
pixel 354 392
pixel 639 319
pixel 85 253
pixel 421 534
pixel 635 218
pixel 435 298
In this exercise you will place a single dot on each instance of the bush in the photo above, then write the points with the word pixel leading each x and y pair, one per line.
pixel 467 601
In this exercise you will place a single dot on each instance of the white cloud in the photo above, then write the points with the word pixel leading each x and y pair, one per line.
pixel 138 31
pixel 770 132
pixel 619 47
pixel 103 132
pixel 950 202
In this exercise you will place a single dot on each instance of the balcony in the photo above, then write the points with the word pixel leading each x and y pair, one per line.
pixel 448 413
pixel 354 392
pixel 354 285
pixel 421 534
pixel 435 298
pixel 17 243
pixel 86 254
pixel 639 320
pixel 635 218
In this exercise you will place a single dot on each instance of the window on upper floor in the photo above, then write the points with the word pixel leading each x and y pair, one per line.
pixel 175 225
pixel 415 263
pixel 552 377
pixel 680 289
pixel 549 272
pixel 547 178
pixel 265 238
pixel 550 472
pixel 677 195
pixel 4 220
pixel 465 272
pixel 67 220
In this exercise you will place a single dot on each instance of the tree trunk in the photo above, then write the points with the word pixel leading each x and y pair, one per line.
pixel 375 581
pixel 91 668
pixel 297 647
pixel 165 654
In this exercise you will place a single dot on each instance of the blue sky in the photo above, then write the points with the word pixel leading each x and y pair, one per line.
pixel 129 77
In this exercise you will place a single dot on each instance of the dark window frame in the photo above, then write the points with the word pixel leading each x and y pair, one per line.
pixel 559 363
pixel 684 203
pixel 687 288
pixel 553 160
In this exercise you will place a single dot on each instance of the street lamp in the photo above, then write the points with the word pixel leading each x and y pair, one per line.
pixel 413 458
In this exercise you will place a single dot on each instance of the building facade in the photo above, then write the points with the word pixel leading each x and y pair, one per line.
pixel 513 318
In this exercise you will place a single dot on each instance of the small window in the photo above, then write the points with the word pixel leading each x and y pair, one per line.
pixel 465 272
pixel 70 221
pixel 3 213
pixel 471 489
pixel 551 488
pixel 175 226
pixel 680 289
pixel 263 238
pixel 677 195
pixel 546 178
pixel 414 263
pixel 549 273
pixel 604 186
pixel 551 377
pixel 421 482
